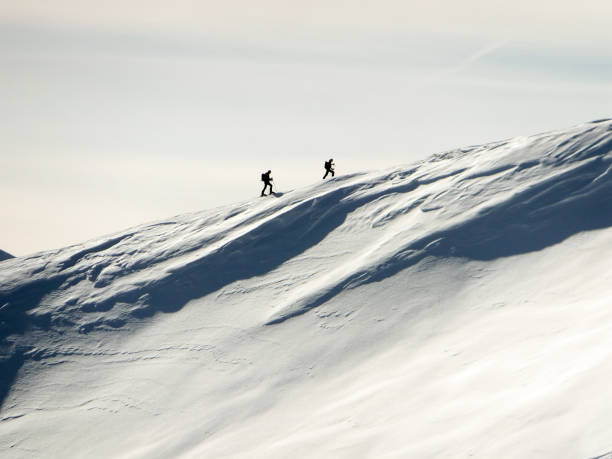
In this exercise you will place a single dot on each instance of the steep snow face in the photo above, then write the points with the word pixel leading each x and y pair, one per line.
pixel 454 307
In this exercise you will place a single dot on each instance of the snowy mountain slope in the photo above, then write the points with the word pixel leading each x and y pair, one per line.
pixel 5 255
pixel 454 307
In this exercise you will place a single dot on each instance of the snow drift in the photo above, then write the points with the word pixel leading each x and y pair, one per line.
pixel 455 307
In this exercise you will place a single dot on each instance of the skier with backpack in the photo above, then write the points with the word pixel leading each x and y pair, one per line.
pixel 265 177
pixel 329 168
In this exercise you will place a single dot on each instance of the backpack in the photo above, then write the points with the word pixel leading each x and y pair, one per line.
pixel 263 177
pixel 327 165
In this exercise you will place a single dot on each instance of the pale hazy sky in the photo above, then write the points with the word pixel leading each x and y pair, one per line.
pixel 116 113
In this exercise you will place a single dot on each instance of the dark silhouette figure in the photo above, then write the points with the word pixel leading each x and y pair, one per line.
pixel 329 168
pixel 265 177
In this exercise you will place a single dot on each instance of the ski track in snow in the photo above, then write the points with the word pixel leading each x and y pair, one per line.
pixel 106 331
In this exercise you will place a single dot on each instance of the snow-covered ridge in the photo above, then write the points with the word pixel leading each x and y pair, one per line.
pixel 256 268
pixel 482 202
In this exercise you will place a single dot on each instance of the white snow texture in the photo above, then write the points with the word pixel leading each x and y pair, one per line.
pixel 458 307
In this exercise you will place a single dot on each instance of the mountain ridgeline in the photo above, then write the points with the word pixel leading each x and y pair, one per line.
pixel 479 203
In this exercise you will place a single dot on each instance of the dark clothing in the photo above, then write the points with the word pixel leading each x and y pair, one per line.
pixel 329 168
pixel 267 183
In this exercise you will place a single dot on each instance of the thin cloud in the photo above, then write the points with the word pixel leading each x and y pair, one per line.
pixel 470 60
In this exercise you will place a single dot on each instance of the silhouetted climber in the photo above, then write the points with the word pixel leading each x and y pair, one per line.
pixel 265 177
pixel 329 167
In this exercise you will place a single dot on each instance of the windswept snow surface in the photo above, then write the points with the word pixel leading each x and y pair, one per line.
pixel 458 307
